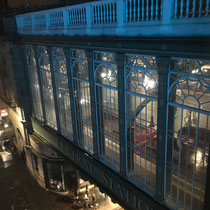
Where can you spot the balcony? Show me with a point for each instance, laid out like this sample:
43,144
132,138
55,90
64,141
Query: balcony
171,18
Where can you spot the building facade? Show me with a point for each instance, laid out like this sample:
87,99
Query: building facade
121,89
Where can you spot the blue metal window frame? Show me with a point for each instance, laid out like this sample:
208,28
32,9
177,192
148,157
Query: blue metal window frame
35,98
136,68
174,106
62,110
47,70
78,56
110,67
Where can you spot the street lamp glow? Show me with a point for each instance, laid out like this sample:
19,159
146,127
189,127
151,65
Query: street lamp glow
148,83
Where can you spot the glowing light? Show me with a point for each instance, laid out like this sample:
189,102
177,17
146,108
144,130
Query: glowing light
20,114
106,75
195,71
83,101
6,125
103,75
149,83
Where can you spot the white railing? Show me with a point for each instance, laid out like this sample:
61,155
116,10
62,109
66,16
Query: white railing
121,18
143,10
104,12
76,15
191,8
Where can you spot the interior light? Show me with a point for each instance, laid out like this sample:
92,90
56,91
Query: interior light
6,125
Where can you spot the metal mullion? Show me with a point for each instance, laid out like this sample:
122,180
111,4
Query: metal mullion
207,187
122,125
80,109
35,48
56,106
103,119
140,134
111,124
179,161
99,117
151,129
172,161
135,135
106,114
145,136
194,167
87,112
188,134
91,74
28,75
86,120
115,125
71,95
163,70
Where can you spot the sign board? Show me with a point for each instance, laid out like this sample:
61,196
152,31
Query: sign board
3,112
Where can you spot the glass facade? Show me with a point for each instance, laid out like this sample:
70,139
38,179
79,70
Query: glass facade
141,119
47,87
34,83
79,68
105,70
188,132
186,124
62,91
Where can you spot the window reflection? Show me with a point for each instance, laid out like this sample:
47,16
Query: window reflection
141,118
188,132
34,83
62,91
47,87
107,107
82,99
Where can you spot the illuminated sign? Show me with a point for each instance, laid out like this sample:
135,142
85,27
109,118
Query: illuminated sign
3,112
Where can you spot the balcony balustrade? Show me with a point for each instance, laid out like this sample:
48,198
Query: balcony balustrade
121,18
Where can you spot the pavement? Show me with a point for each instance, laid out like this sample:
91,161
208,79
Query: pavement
20,191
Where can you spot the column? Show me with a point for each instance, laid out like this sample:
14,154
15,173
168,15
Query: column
71,89
89,55
122,113
49,50
163,66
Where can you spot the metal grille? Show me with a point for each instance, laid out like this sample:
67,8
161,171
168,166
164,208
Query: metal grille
107,107
188,132
34,83
141,119
62,91
82,99
47,87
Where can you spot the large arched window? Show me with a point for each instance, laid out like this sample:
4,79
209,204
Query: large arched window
81,91
47,87
188,132
62,91
141,119
105,71
34,83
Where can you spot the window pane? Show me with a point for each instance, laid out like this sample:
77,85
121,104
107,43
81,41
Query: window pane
107,107
62,91
141,118
47,87
188,133
82,99
34,83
